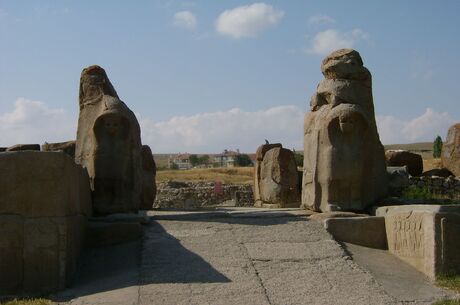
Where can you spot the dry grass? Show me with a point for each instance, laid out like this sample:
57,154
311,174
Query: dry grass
28,302
234,175
432,163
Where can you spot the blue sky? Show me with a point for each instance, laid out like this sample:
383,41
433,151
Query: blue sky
203,76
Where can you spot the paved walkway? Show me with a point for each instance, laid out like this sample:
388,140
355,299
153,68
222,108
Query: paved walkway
241,256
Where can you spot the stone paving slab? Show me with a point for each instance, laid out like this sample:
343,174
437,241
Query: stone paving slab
188,258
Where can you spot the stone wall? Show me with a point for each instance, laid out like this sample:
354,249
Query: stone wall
445,187
424,236
193,195
45,201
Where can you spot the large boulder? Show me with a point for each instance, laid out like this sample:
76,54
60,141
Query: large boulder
276,178
108,145
414,162
344,160
67,147
24,147
450,155
149,170
438,172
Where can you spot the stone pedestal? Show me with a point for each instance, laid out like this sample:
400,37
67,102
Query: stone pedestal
425,236
44,203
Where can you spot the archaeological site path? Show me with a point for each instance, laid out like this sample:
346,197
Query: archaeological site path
242,256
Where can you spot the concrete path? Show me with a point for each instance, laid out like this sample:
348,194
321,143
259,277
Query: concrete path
230,256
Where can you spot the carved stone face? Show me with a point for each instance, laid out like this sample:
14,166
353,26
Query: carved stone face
112,124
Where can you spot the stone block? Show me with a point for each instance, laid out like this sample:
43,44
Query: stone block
44,204
11,264
43,184
364,231
67,147
110,233
425,236
24,147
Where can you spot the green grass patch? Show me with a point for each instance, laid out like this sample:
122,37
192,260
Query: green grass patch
451,282
27,302
419,193
447,302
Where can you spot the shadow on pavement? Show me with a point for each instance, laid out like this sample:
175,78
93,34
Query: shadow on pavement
158,258
165,260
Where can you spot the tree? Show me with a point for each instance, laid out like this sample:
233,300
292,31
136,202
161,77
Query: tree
194,160
204,159
437,147
243,160
298,159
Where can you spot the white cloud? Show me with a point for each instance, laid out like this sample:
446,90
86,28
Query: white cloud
232,129
34,122
321,20
247,20
330,40
423,128
185,20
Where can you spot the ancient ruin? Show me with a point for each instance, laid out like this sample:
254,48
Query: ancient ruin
344,161
425,236
414,162
108,145
275,177
67,147
149,170
44,204
450,155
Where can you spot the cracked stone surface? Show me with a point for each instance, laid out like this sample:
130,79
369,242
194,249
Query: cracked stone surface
228,258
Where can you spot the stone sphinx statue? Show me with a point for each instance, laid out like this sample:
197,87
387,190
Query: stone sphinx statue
275,177
108,145
344,160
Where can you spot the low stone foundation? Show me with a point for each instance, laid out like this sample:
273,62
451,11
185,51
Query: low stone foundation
194,195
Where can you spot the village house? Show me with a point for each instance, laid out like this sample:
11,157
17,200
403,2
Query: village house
179,161
226,159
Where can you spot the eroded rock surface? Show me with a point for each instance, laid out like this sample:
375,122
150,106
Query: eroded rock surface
149,171
276,178
414,162
450,155
108,145
344,161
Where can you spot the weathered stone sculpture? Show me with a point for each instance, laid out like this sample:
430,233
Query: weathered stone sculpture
344,161
276,179
108,145
450,155
149,188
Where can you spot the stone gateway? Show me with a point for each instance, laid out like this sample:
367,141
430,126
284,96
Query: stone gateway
108,145
344,160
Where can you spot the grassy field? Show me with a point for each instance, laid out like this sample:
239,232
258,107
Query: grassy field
235,175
